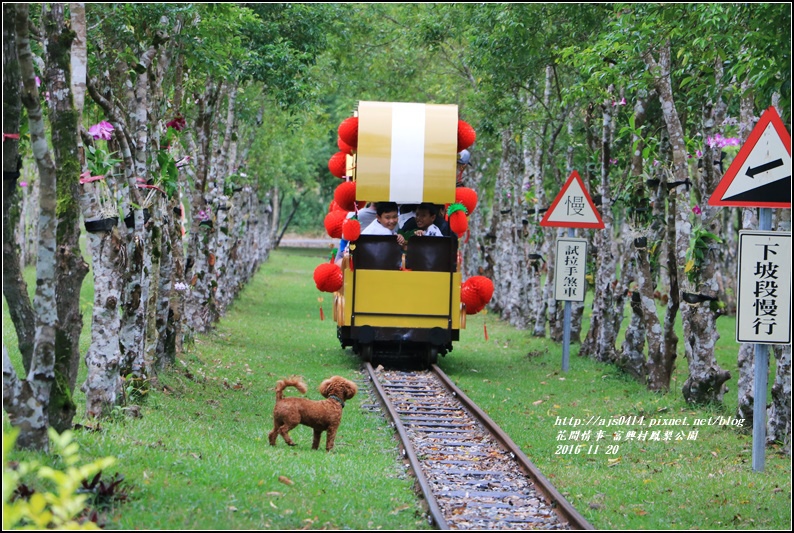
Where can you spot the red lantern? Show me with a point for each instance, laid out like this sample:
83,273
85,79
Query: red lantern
351,229
466,135
328,277
471,299
338,164
348,132
343,146
333,223
459,223
345,195
483,286
467,197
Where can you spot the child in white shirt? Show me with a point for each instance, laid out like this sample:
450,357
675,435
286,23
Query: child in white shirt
425,218
386,222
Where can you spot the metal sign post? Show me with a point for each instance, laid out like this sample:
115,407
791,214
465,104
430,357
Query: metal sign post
760,379
572,208
763,311
760,176
570,284
566,327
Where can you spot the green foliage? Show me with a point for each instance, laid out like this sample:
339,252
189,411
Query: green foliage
700,243
100,161
59,508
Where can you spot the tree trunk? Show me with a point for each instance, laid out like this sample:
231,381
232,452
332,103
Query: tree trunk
170,338
779,425
601,337
71,268
631,358
15,289
28,410
510,297
475,262
748,220
706,379
199,302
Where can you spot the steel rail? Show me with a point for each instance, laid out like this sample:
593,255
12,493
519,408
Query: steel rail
436,516
557,501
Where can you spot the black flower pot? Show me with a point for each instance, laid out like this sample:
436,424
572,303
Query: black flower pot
101,225
129,220
205,224
641,243
535,257
692,298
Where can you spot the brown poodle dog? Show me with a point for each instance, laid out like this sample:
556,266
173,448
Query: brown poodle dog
320,415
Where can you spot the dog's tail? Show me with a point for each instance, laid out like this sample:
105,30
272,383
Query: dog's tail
293,381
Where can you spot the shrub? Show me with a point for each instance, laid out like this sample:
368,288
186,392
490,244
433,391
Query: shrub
59,508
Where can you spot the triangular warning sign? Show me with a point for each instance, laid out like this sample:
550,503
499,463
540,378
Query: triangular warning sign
573,207
760,174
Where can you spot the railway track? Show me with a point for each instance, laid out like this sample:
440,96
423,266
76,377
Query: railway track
470,472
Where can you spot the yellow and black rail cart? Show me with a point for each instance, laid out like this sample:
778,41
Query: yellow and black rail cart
395,301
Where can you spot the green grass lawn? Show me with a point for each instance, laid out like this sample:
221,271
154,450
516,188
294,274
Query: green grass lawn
199,457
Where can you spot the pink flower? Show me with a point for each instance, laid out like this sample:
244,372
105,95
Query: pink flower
613,161
102,131
38,81
697,210
23,183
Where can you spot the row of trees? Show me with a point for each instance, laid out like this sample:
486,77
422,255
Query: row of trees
175,221
226,113
650,105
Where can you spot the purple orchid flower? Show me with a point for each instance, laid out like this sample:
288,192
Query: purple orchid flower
102,131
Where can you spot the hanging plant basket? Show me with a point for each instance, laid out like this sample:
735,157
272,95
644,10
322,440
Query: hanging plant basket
129,220
692,298
101,225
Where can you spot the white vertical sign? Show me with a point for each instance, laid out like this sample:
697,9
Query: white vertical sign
763,312
569,270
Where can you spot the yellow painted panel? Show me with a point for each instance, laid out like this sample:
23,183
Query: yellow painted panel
401,292
401,322
389,291
376,140
441,146
456,281
373,154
